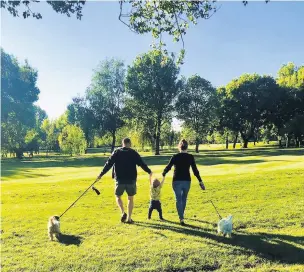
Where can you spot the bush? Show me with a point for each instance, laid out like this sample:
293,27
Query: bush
72,140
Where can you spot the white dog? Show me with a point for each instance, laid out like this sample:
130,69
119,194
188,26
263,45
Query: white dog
54,227
225,226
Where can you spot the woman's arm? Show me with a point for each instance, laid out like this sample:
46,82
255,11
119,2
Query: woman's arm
169,166
196,173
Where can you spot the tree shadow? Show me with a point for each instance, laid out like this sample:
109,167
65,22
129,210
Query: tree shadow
273,247
70,239
10,167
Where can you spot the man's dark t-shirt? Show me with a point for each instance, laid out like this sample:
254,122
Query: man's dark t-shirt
124,161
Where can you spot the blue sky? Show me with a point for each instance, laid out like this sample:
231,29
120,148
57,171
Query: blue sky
257,38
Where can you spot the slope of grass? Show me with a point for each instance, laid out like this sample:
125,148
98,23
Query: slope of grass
262,188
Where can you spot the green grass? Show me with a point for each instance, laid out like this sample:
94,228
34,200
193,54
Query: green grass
263,188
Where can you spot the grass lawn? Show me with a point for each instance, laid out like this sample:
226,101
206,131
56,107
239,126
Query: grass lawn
263,188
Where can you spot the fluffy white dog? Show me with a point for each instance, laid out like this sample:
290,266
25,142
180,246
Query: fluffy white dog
54,227
225,226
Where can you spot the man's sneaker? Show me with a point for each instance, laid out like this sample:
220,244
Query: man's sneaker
162,219
123,217
130,221
182,223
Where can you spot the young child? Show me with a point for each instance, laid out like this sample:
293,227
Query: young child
155,188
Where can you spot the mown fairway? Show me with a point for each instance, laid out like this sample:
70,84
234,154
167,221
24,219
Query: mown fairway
262,188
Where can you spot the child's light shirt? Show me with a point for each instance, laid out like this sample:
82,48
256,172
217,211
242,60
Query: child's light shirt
155,192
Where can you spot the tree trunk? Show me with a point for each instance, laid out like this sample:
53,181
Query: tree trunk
287,141
227,142
113,141
157,139
196,147
157,143
235,141
245,144
19,153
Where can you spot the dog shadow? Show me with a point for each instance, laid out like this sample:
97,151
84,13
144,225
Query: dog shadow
273,247
70,239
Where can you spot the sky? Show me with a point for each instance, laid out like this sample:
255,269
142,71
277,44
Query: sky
258,38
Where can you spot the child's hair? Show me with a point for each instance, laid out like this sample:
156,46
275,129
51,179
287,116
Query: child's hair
183,144
155,183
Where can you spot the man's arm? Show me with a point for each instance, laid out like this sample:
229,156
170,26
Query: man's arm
142,164
108,165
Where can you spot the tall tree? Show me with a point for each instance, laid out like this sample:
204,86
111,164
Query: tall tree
81,115
249,101
196,105
106,97
153,83
291,111
18,94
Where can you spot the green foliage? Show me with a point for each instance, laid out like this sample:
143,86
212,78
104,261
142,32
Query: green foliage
248,103
196,105
105,97
64,7
32,140
18,94
291,76
81,115
72,140
153,85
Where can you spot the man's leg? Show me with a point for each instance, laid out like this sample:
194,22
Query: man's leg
130,207
120,204
119,190
131,191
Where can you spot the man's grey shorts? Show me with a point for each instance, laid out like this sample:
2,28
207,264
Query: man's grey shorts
122,186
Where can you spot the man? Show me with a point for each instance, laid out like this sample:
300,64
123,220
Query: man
125,160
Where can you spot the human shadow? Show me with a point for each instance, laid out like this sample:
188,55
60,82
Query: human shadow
273,247
67,239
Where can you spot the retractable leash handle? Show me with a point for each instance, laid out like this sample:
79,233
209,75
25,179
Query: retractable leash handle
82,196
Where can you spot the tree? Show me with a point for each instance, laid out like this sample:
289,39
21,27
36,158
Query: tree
249,102
18,94
152,83
142,121
72,140
81,115
196,106
171,18
105,97
291,111
227,123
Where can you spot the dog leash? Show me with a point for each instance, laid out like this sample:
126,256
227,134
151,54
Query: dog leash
214,208
96,191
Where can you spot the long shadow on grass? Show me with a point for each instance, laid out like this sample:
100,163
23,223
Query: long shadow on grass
70,239
210,157
273,247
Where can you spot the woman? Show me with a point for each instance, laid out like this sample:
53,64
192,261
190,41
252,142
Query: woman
181,177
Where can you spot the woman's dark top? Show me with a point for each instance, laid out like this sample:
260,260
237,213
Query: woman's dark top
182,163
